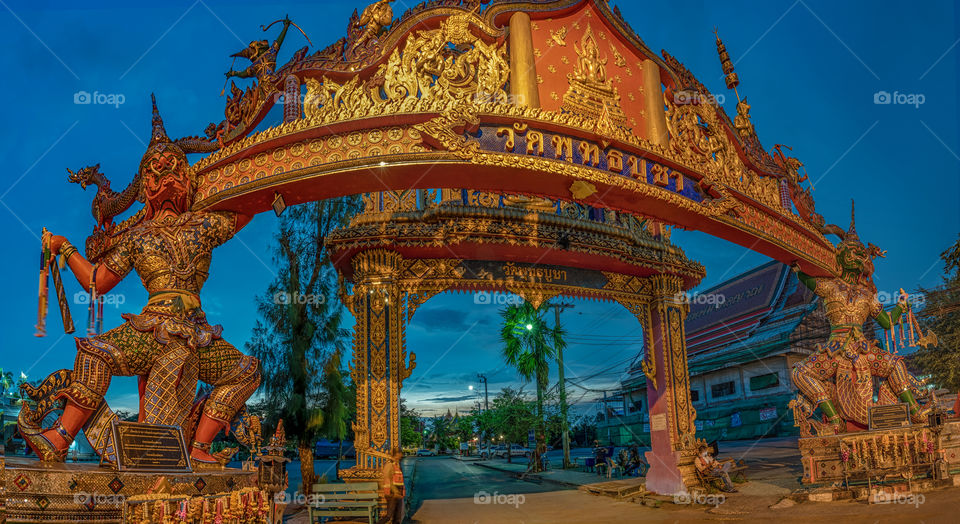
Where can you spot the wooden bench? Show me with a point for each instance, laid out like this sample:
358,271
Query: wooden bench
356,499
737,470
711,484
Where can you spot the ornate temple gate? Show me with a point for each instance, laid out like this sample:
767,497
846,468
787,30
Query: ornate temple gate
575,168
560,101
390,255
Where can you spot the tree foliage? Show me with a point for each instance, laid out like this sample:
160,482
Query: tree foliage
299,337
409,426
941,313
440,432
513,416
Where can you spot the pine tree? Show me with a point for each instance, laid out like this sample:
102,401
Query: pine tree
941,313
299,338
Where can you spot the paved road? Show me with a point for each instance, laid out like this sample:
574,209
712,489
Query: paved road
321,467
438,478
446,491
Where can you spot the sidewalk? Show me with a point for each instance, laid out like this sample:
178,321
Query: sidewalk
568,477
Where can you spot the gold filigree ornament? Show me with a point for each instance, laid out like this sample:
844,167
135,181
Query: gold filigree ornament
435,68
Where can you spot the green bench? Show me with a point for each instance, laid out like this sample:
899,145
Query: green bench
356,499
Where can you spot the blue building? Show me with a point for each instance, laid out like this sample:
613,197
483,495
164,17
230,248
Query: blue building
743,337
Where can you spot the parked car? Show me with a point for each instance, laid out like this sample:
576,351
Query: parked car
516,450
424,452
329,449
497,451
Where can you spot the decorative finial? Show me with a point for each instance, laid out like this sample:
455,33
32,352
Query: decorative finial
731,79
159,134
853,219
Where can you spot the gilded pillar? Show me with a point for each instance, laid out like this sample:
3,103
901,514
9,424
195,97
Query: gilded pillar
672,416
653,104
523,69
379,365
292,105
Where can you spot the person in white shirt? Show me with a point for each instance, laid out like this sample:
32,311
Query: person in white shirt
710,468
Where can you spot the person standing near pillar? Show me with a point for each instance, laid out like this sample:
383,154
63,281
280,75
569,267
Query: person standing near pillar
394,490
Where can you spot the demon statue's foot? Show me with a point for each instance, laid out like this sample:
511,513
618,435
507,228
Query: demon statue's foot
201,453
50,445
918,413
838,425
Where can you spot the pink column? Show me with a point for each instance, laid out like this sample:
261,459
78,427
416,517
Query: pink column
668,389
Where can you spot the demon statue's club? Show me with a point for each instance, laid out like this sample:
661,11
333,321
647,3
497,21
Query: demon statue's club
839,377
169,345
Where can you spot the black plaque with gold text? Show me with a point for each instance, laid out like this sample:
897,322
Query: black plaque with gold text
890,416
151,447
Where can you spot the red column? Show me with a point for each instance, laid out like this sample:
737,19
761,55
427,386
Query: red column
668,389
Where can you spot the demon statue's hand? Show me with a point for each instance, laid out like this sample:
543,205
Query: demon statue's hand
56,242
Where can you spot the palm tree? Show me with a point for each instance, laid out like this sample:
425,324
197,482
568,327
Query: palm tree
528,345
6,381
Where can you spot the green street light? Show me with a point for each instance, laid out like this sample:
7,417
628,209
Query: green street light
529,327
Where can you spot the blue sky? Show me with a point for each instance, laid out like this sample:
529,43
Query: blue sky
810,69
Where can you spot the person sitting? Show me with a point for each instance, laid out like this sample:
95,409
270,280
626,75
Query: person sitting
600,456
633,461
709,468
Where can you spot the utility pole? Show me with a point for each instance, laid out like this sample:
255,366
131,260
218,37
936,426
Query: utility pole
606,415
486,395
565,432
486,398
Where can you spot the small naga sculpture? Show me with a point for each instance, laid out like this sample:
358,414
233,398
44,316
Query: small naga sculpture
169,345
742,121
107,203
839,377
375,17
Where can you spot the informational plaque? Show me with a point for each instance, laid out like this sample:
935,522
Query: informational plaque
151,447
889,416
658,422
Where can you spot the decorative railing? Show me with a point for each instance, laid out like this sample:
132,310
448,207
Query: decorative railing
375,205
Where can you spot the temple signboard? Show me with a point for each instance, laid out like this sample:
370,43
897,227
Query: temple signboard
150,447
890,416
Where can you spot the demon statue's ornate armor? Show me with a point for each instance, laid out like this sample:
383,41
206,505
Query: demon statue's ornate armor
169,345
839,377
